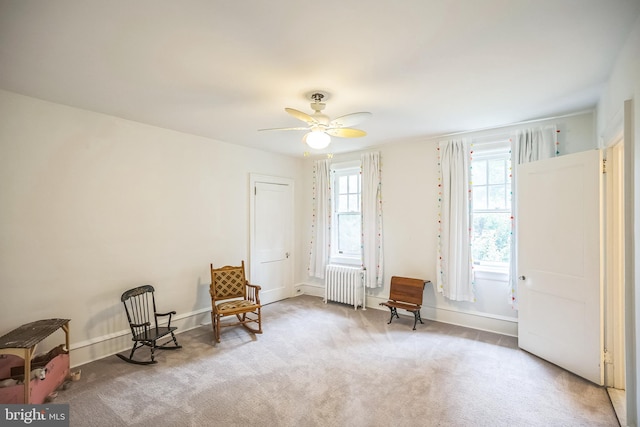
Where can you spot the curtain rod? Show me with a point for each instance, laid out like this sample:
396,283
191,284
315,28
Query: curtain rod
509,125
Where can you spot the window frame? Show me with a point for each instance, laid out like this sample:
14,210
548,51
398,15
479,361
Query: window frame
500,149
339,170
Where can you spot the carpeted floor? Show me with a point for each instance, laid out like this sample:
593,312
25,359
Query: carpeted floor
328,365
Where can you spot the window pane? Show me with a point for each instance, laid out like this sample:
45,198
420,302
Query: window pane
496,171
479,197
491,237
349,233
342,205
479,172
497,197
353,203
353,183
342,184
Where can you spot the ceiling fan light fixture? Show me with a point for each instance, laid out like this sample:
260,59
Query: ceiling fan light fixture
319,127
318,139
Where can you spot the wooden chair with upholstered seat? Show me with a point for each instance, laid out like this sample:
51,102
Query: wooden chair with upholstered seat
233,295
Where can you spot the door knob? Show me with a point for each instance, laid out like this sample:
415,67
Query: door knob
522,278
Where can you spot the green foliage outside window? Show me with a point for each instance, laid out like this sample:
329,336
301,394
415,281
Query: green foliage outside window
491,237
492,224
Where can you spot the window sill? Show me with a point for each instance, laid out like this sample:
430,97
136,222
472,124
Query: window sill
497,274
352,262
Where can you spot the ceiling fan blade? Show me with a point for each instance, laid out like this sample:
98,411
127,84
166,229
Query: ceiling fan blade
346,132
301,116
349,119
298,128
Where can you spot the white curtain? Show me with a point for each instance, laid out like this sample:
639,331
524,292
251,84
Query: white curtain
535,144
529,145
321,221
372,252
454,277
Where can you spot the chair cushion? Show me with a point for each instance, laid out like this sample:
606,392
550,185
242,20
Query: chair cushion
236,306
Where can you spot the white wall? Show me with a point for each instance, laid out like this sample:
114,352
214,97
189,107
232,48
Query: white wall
624,84
409,193
92,205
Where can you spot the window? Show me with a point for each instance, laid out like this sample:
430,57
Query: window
492,224
346,225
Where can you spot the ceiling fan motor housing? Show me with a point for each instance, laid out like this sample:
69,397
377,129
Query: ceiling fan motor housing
317,105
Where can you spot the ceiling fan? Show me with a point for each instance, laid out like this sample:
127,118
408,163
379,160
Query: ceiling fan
320,128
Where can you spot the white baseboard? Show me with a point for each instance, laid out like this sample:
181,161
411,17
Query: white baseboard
116,342
107,345
474,320
309,289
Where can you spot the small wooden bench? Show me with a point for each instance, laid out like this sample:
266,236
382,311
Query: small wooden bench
406,294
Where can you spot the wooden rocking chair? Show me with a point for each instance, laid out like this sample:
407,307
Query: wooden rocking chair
232,294
140,306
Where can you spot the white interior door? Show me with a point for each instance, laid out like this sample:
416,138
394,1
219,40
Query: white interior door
560,315
271,237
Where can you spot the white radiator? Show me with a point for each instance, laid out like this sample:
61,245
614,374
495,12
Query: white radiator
344,284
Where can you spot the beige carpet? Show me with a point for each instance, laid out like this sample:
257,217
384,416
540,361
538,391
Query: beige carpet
329,365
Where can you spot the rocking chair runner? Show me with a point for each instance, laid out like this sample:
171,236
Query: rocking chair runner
232,294
140,306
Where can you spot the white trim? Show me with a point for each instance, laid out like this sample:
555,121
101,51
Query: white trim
345,261
614,131
526,122
474,320
311,289
267,179
115,342
630,276
127,332
614,268
109,344
339,170
475,313
352,164
491,149
495,323
482,272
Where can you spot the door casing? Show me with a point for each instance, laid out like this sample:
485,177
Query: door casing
288,211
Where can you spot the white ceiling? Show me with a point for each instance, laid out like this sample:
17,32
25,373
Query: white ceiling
225,68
